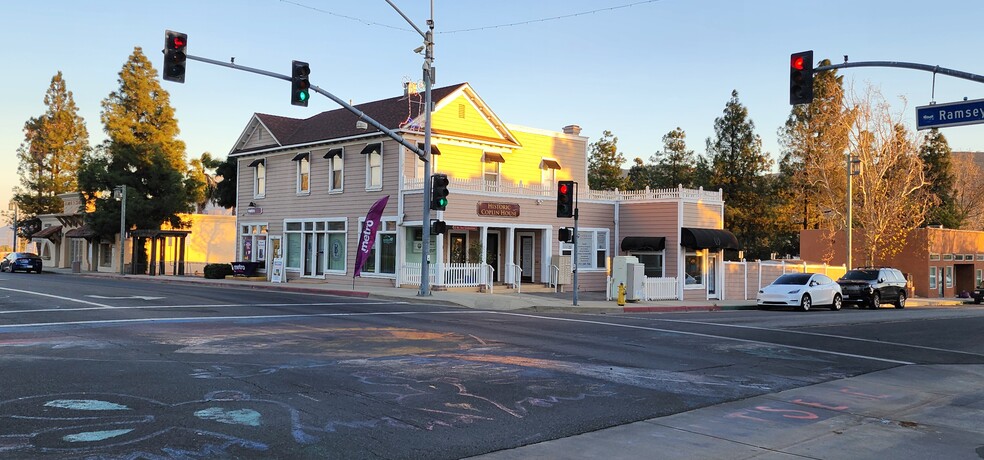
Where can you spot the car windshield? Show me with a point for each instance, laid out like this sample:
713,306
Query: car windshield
793,278
861,275
24,254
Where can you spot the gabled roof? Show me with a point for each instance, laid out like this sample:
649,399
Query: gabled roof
340,123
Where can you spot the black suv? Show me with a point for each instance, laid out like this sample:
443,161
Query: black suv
872,287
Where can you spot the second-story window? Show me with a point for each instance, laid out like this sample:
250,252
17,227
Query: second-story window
303,172
374,166
548,173
259,178
335,169
492,169
419,164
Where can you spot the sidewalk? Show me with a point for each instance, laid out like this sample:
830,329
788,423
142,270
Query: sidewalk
588,302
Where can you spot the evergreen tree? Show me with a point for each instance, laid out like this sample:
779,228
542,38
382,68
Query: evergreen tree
225,189
605,164
814,165
142,153
641,175
675,162
937,166
738,167
48,159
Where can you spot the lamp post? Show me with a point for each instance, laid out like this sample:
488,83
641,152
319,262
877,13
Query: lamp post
120,192
13,207
853,169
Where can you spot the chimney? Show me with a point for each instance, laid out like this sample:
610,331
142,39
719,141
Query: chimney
572,129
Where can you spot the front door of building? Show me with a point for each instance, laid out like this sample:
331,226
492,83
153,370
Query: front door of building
712,276
526,251
492,254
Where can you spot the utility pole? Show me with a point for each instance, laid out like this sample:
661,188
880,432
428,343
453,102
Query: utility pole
428,69
121,192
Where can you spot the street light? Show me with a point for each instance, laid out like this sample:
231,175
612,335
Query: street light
853,169
13,207
120,193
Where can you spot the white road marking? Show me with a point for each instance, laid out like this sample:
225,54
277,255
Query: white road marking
697,334
159,307
69,299
817,334
125,297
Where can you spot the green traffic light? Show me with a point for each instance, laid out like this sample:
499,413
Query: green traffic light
302,95
443,202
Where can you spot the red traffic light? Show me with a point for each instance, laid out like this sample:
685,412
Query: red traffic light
797,62
563,189
178,42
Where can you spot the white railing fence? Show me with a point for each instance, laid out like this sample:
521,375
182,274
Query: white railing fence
455,275
517,277
660,288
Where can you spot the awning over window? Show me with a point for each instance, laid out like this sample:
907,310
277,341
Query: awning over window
51,233
256,163
82,232
494,157
378,148
434,149
301,156
643,243
550,164
334,153
707,238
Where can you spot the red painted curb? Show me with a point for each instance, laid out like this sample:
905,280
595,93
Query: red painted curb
670,309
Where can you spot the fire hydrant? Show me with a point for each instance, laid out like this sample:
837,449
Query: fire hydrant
621,294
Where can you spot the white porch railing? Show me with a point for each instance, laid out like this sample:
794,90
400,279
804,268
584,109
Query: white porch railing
517,277
520,189
455,275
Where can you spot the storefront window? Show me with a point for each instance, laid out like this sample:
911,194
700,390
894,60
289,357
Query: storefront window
252,243
382,256
653,262
693,268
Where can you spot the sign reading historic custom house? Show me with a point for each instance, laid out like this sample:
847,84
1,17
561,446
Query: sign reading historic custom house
498,209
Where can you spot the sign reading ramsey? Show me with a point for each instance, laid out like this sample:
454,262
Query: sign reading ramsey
950,114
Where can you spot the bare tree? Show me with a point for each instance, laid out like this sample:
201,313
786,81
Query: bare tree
891,196
968,191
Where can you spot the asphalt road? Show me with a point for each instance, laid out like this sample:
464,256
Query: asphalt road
104,368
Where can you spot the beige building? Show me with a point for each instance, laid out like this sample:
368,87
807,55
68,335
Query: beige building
305,185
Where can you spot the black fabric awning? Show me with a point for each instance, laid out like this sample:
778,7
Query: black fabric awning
301,156
334,153
256,163
643,243
378,148
707,238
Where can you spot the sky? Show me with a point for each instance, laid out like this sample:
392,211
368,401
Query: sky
636,68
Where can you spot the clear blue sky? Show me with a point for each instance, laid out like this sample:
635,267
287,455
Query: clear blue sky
638,71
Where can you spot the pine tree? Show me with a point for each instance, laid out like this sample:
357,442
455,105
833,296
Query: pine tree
225,190
814,165
142,153
675,162
738,167
937,166
48,159
605,164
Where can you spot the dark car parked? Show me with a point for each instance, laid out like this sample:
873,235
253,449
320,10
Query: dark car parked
25,261
871,287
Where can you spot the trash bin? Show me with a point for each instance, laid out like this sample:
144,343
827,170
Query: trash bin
76,267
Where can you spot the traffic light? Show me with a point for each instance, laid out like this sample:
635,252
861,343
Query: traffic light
299,83
801,78
565,198
439,192
438,227
565,235
175,55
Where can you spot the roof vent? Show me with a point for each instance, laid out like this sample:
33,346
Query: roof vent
572,129
361,125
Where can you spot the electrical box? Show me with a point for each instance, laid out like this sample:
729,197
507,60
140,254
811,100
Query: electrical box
566,275
635,284
619,273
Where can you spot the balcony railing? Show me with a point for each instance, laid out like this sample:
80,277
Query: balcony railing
537,190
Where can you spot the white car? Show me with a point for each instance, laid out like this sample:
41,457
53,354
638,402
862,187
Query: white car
802,290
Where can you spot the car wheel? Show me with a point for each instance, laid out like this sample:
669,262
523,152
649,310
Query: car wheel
875,301
838,303
901,302
806,303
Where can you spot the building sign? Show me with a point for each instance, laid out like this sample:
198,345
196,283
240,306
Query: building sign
498,209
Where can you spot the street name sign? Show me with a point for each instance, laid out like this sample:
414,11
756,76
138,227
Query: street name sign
950,114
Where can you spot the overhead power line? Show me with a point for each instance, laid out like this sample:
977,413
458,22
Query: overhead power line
472,29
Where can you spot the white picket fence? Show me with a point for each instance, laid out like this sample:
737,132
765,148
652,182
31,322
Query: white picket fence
660,288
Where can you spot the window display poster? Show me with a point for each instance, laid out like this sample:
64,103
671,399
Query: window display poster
278,271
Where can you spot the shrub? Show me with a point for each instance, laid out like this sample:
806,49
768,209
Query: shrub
217,271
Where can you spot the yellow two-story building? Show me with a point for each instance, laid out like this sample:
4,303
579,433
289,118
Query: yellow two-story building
305,185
